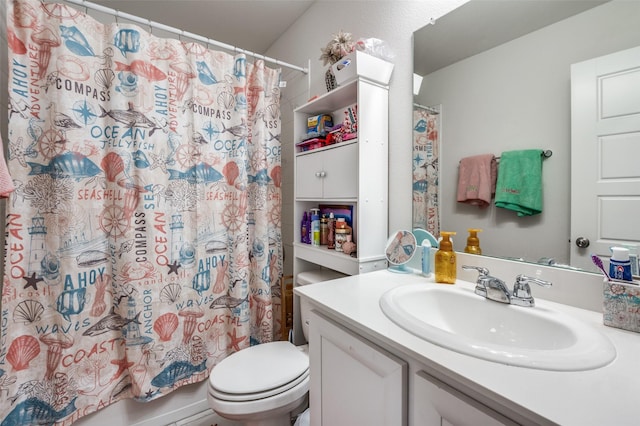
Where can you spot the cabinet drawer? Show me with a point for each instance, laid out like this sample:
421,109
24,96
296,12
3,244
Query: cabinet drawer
437,403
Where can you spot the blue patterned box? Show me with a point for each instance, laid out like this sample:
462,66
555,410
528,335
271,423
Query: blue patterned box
621,305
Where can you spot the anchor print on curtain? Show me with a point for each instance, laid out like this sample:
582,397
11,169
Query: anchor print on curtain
143,240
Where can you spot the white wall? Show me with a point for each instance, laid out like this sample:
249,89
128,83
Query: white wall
517,96
391,21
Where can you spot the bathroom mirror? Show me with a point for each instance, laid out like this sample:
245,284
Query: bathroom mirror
499,72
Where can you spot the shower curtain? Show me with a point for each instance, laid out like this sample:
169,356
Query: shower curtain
426,152
143,241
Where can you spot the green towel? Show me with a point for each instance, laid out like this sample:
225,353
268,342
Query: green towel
519,185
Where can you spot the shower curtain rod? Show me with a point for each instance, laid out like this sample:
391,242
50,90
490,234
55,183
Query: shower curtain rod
432,110
181,33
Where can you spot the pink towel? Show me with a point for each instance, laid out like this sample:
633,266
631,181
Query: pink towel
477,180
6,183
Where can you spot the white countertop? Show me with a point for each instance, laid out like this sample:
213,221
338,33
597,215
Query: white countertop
605,396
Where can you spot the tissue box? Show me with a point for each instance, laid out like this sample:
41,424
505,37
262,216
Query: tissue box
621,305
359,64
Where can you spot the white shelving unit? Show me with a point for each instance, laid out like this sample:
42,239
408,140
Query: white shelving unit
353,172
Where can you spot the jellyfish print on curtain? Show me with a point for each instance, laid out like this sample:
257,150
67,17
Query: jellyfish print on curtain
143,240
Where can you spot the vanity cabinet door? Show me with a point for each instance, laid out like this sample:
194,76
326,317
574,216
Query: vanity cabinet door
331,173
353,382
435,403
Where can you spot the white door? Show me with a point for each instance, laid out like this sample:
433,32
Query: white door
605,155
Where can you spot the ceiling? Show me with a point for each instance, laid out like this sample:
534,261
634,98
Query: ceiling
480,25
252,25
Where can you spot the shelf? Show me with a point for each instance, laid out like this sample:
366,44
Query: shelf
328,147
331,101
352,172
336,260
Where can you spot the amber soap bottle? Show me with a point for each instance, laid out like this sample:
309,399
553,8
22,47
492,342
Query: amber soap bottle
445,260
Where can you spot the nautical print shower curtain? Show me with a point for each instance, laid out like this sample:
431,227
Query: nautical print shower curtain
143,240
426,152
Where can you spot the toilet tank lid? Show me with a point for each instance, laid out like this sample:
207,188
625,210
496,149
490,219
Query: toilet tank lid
259,368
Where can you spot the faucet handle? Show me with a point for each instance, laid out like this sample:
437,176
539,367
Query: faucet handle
481,270
521,294
481,282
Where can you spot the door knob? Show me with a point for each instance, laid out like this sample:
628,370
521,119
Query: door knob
582,242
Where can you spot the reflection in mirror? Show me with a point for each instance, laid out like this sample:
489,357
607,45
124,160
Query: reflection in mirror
512,92
426,144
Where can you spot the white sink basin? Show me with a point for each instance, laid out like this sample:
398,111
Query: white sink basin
458,319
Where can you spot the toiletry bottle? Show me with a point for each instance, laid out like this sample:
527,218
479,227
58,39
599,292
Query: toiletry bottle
304,231
426,257
315,227
445,261
473,243
331,236
619,264
324,230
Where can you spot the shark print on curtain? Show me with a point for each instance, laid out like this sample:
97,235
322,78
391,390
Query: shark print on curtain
143,241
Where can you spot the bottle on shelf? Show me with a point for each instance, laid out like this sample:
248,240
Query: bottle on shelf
304,231
331,225
315,227
324,230
342,232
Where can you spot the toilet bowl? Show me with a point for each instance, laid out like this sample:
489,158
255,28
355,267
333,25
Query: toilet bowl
263,384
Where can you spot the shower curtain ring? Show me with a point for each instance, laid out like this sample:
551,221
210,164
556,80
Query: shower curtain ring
150,26
117,15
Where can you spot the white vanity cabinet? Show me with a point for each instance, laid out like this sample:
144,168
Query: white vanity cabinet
356,382
350,173
353,382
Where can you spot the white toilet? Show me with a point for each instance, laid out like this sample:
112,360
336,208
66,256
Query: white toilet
263,384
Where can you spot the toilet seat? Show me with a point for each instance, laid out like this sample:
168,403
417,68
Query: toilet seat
258,395
259,372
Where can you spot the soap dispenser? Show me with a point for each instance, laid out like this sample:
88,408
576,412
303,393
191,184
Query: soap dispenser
473,243
445,260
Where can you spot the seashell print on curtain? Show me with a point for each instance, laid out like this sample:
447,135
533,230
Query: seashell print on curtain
143,240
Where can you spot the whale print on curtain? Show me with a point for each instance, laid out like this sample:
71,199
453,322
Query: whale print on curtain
426,151
143,241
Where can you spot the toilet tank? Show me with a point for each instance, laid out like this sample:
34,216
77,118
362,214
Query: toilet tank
311,277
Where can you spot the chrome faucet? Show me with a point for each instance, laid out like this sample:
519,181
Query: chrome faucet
495,289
